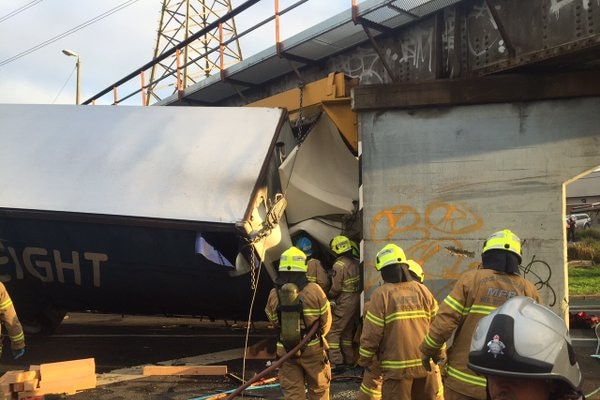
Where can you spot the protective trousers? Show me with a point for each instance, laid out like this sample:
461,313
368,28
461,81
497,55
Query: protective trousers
314,369
427,388
370,387
345,321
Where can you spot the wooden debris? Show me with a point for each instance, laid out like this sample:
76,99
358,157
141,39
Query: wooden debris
65,377
185,370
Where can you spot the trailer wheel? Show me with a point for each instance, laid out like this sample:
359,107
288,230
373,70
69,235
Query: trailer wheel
46,322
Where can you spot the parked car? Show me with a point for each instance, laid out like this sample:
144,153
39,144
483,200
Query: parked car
581,220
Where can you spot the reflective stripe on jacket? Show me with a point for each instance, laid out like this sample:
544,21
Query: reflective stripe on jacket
315,306
396,320
476,294
345,277
9,318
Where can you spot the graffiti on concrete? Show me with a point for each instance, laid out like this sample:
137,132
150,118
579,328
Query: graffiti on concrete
449,222
438,246
539,273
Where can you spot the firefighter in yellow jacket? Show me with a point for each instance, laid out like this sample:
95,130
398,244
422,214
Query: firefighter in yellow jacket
476,294
9,318
315,272
370,387
294,305
345,298
397,317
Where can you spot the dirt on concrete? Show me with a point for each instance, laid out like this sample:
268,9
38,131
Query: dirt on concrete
343,387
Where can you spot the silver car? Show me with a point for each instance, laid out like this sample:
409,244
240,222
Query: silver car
581,221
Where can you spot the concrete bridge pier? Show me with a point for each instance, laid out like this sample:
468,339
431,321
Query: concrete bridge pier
447,163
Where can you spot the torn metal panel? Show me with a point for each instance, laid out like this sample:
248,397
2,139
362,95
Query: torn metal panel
320,177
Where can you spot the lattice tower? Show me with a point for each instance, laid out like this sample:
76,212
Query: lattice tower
201,58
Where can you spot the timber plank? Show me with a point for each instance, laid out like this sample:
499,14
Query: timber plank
185,370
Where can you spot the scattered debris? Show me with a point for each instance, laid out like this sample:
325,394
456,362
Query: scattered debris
65,377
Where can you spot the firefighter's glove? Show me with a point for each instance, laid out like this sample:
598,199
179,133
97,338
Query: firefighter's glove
18,353
436,358
426,360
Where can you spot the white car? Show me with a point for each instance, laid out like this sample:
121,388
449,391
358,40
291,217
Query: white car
581,221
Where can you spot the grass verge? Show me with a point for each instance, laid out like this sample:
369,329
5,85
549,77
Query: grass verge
584,281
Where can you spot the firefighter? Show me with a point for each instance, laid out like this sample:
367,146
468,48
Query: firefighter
316,271
477,293
370,387
520,365
294,305
9,318
397,317
345,300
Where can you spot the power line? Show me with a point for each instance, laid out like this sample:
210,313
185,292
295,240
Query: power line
19,10
69,32
65,84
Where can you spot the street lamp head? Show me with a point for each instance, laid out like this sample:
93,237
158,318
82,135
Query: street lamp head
70,53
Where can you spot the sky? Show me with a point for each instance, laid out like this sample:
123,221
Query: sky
123,37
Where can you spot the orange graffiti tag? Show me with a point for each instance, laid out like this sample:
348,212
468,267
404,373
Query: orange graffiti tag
451,219
394,221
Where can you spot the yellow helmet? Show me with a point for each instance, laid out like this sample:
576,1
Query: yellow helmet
340,244
293,260
390,254
503,240
416,268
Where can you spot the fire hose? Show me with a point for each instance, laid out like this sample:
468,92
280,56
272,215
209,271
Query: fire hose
311,333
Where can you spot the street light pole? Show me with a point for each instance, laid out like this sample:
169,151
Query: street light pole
78,66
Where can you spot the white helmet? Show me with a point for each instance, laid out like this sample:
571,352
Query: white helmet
523,339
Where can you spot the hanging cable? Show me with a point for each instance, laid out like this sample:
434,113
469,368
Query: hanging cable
589,396
300,136
67,33
255,289
65,84
19,10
